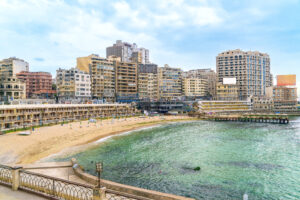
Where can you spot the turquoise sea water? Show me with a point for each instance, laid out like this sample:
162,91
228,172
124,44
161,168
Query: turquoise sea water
262,160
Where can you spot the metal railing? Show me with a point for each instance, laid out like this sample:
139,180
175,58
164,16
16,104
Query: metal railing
5,175
116,195
55,187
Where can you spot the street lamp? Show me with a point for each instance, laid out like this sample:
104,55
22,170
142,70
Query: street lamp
99,167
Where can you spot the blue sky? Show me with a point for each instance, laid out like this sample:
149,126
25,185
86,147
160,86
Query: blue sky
187,34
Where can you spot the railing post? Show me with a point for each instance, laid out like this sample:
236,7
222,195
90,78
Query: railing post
15,177
99,193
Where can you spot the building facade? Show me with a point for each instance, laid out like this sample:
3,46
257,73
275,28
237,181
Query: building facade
102,73
128,52
12,88
148,82
169,83
209,75
21,116
73,84
227,92
251,70
38,84
262,104
126,81
11,66
194,87
285,98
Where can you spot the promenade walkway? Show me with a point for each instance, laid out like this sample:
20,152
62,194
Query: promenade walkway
6,193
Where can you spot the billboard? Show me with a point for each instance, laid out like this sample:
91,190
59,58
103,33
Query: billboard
229,81
286,80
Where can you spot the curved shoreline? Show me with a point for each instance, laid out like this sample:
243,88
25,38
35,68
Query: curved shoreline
47,141
86,146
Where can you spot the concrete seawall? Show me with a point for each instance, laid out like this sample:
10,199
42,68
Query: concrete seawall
147,194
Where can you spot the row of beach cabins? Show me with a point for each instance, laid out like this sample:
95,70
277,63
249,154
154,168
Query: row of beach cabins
23,116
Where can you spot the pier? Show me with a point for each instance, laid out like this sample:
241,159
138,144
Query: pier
254,118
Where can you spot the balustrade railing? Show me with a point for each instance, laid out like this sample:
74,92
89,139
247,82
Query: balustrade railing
5,175
116,195
57,188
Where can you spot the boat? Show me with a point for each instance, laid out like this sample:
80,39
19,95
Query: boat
25,133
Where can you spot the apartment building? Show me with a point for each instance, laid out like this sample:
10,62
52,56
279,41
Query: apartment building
251,70
128,52
170,83
285,98
102,73
12,88
126,81
227,92
73,84
284,94
209,75
11,66
38,84
148,82
194,87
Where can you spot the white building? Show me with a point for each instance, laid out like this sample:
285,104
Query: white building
11,66
73,84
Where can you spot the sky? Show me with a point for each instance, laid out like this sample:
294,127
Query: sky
188,34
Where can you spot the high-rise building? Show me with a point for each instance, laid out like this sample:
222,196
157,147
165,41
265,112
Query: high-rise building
128,52
126,81
169,83
148,82
251,70
73,84
38,84
194,87
11,66
102,73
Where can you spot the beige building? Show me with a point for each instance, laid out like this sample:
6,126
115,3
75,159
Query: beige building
148,86
224,106
102,73
126,81
208,74
194,87
227,92
251,69
12,88
73,84
170,83
148,82
263,104
11,66
20,116
285,98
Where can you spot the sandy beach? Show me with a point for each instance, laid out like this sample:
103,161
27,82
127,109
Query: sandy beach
46,141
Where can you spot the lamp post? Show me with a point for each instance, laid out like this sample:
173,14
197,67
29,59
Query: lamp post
99,167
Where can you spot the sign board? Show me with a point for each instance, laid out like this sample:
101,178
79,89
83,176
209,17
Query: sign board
286,80
229,81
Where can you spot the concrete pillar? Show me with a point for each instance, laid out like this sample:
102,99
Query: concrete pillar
15,177
99,194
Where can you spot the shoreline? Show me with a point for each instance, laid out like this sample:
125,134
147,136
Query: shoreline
46,142
82,147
